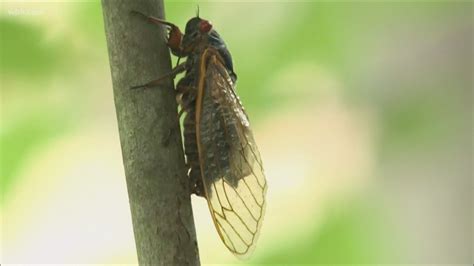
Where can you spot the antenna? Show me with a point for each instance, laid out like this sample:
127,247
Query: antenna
197,11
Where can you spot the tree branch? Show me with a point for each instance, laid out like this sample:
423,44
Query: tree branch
150,136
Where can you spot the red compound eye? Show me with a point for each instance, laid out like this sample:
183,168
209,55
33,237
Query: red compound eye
205,26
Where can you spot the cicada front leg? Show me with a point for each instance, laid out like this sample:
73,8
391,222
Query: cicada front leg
174,33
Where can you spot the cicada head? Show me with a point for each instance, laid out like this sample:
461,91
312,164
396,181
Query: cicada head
197,30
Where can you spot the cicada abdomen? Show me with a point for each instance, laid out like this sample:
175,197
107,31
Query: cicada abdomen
223,159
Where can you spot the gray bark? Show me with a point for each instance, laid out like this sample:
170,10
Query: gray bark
150,136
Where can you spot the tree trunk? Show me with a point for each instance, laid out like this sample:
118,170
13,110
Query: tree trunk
150,137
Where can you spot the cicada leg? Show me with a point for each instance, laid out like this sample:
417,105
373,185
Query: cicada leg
197,186
172,74
185,96
174,37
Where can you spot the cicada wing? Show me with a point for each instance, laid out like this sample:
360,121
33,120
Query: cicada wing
231,166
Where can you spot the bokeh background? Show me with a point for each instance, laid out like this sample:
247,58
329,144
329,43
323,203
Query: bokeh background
362,112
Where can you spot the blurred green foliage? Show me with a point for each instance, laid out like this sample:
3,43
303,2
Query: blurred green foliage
88,18
29,64
353,234
26,135
24,52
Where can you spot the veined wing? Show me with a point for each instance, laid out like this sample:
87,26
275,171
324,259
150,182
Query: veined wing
231,166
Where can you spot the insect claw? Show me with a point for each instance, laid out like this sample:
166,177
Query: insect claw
152,19
166,138
138,13
139,87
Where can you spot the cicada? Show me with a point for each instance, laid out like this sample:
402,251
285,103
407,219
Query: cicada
224,163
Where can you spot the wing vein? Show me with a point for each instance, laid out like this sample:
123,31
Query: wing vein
235,230
251,168
225,232
240,197
243,179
